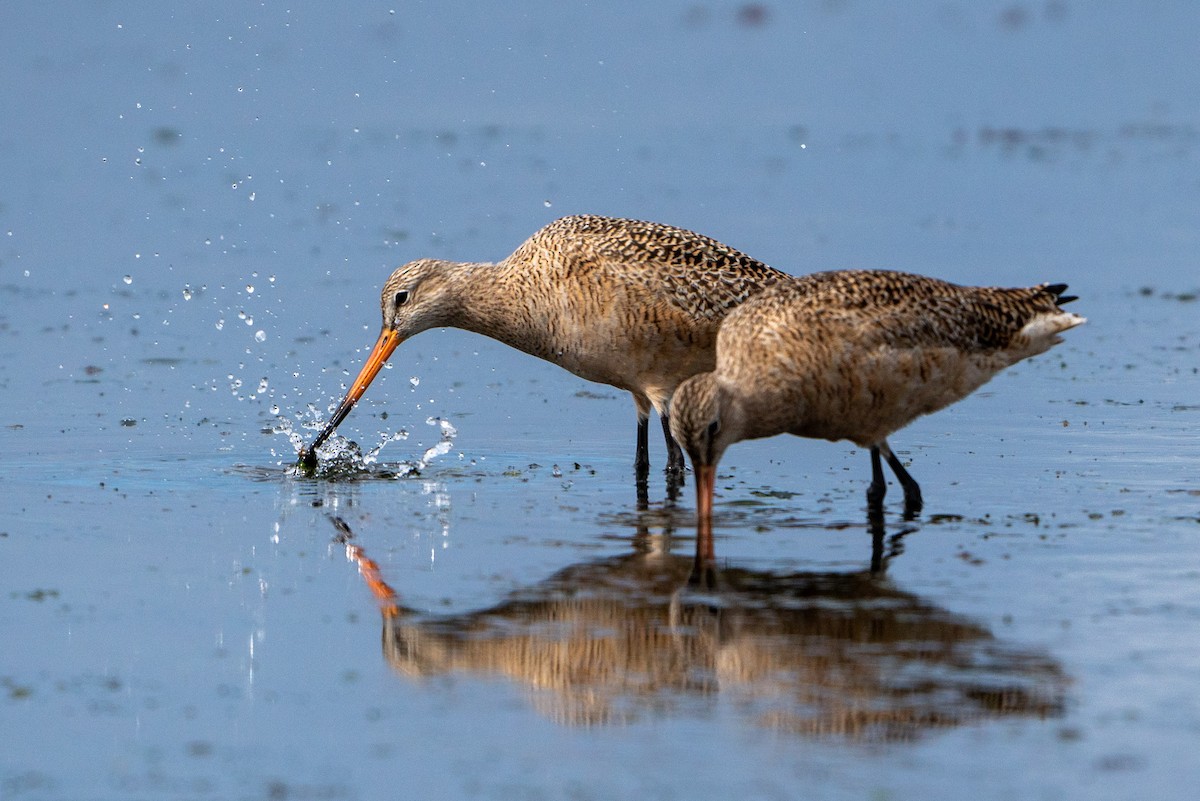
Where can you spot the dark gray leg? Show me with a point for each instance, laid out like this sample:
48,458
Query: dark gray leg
674,452
912,490
878,487
641,459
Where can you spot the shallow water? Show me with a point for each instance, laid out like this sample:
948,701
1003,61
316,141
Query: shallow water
195,216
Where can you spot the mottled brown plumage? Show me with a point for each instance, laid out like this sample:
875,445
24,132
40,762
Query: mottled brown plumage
623,302
856,355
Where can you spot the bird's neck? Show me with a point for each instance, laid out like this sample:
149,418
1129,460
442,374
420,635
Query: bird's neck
491,301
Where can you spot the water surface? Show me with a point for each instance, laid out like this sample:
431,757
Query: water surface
197,209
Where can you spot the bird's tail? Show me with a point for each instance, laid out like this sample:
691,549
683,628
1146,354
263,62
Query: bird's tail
1043,329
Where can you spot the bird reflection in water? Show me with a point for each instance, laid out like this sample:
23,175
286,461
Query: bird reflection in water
820,654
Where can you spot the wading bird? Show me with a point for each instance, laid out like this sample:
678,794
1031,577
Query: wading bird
855,355
623,302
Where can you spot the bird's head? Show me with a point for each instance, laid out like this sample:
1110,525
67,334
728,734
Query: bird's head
416,297
702,422
696,419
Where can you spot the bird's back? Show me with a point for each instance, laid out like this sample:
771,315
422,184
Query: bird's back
695,274
885,308
630,303
857,354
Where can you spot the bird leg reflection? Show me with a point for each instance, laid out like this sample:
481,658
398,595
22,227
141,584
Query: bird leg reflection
675,482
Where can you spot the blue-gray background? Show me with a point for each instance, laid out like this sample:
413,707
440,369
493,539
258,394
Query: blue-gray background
197,206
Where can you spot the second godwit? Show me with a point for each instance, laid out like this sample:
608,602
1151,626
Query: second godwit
623,302
855,355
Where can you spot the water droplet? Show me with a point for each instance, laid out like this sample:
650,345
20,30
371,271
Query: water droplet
128,279
249,289
249,320
415,381
262,386
187,293
275,409
220,323
260,336
546,203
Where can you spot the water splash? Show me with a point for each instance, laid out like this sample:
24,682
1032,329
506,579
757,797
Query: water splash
448,433
342,458
372,456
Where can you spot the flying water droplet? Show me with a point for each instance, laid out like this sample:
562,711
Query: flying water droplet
260,336
128,279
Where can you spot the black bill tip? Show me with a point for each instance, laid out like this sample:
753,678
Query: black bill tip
307,463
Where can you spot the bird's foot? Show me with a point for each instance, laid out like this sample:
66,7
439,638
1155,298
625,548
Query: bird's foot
912,504
875,495
641,469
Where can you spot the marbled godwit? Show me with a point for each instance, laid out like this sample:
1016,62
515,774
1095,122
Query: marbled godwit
855,355
633,304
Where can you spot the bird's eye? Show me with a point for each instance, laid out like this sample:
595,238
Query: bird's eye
713,428
401,297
